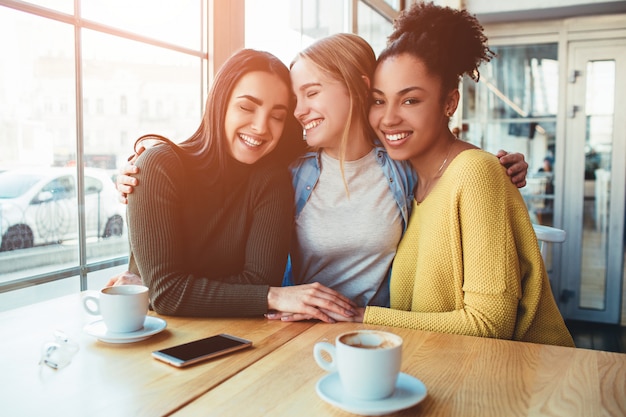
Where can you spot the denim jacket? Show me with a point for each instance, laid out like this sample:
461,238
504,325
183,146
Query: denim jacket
401,177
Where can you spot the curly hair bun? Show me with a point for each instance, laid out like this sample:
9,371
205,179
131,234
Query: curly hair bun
450,42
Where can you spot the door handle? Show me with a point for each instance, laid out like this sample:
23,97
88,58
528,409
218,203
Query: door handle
573,75
571,112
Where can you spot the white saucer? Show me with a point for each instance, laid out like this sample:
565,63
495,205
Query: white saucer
409,391
151,326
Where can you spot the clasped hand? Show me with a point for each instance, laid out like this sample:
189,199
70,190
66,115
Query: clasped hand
311,301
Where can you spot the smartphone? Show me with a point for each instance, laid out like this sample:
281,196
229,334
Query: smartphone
201,350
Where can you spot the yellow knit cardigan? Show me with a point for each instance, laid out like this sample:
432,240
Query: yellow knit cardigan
469,262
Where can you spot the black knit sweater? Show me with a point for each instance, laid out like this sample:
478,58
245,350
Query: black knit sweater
209,250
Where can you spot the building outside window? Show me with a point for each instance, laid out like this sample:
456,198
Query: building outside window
118,66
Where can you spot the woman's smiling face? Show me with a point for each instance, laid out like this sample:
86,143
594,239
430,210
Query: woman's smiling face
255,117
407,109
323,105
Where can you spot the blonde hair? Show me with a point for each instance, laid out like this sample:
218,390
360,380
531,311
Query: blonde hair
347,58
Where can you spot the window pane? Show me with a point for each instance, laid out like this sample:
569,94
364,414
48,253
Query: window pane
295,25
283,37
600,113
514,105
137,89
394,3
324,17
37,98
176,22
37,121
373,27
522,81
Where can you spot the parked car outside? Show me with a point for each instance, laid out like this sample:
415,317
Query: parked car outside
39,206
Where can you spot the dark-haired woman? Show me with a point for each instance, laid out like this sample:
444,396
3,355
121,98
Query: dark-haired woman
469,262
210,231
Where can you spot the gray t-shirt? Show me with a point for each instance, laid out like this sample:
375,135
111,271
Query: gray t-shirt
348,242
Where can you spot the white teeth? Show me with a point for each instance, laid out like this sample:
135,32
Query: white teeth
397,136
312,124
250,141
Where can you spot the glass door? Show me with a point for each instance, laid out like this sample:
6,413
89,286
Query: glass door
594,183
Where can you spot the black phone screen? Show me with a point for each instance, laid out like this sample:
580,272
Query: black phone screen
201,350
202,347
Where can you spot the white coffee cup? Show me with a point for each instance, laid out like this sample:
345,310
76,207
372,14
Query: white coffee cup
123,308
368,362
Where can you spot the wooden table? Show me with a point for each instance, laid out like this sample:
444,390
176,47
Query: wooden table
465,376
116,380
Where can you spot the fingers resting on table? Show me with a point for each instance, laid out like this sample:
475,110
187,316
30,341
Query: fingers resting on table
278,315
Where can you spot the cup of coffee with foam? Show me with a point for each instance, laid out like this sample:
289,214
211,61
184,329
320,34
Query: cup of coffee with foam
368,362
123,308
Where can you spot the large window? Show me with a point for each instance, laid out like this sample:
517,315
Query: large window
295,24
77,88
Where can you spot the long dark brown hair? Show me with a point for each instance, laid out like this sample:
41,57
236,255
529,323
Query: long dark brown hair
206,149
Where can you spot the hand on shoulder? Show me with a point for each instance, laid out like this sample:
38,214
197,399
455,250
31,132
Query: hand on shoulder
124,182
516,167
